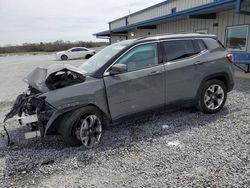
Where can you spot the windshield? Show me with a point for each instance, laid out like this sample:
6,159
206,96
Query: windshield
102,57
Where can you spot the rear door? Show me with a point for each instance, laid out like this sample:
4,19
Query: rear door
82,52
78,52
182,59
139,89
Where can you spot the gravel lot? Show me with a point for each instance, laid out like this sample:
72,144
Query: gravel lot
181,148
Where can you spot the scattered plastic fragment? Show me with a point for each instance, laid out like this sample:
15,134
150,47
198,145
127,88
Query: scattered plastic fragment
174,143
165,126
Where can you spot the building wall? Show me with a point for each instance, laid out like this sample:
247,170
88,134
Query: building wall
224,19
118,23
166,9
160,10
115,39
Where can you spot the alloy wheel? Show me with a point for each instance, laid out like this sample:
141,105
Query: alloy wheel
214,97
90,131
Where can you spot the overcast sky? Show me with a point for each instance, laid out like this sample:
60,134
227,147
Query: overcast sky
50,20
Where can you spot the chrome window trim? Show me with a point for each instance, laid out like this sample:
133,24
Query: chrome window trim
193,56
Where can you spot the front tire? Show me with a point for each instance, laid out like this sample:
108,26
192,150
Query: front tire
64,58
82,127
212,97
88,56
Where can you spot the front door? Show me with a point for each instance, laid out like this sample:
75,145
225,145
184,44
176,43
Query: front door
139,89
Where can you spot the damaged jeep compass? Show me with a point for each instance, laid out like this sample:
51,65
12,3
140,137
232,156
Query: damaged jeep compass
125,79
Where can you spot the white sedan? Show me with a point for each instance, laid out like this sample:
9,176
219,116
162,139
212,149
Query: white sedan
75,53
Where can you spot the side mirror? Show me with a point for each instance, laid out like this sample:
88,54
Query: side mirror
118,69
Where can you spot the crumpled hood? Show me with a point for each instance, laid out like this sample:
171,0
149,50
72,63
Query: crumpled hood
56,76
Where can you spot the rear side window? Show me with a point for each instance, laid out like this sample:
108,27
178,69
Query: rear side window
78,49
179,49
82,49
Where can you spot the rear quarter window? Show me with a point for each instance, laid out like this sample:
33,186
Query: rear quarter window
213,43
199,45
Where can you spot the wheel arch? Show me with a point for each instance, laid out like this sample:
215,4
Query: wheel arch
223,76
56,117
87,56
64,55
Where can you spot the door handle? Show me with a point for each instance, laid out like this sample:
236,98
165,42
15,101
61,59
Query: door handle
199,62
154,73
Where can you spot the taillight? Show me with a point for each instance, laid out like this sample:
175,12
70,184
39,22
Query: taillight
230,58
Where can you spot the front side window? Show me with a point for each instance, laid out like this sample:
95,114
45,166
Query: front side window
75,50
140,57
236,38
179,49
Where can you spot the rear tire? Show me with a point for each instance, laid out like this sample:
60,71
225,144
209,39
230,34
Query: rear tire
64,58
72,128
212,97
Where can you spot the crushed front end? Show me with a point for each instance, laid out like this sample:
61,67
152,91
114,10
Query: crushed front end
31,110
31,107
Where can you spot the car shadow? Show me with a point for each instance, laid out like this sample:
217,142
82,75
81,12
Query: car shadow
29,156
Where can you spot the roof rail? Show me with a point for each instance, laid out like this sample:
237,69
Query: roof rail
162,34
201,33
155,35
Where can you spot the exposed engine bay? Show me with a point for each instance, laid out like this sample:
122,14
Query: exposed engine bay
54,77
31,107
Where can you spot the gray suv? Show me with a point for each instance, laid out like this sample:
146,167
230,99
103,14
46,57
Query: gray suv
125,79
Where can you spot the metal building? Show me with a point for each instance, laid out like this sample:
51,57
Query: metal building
228,19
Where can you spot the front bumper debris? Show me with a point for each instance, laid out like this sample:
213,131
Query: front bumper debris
32,111
4,134
17,107
24,120
32,134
